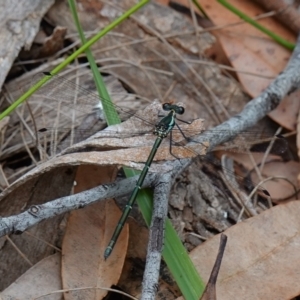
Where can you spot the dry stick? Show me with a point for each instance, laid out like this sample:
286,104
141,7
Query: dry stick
19,173
210,292
20,115
30,154
196,27
18,250
43,241
169,91
34,127
156,232
37,213
4,178
229,180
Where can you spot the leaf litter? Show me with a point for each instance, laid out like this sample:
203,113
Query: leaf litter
225,254
137,152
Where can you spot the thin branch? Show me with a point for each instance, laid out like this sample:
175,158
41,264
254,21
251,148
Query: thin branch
37,213
156,238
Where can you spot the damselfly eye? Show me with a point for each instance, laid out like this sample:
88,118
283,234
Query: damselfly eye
180,110
166,106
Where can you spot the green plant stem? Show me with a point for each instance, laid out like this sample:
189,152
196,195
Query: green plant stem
200,8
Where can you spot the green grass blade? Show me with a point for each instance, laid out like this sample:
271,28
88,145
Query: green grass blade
263,29
181,266
111,114
200,8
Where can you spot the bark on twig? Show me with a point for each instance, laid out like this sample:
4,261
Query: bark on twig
157,228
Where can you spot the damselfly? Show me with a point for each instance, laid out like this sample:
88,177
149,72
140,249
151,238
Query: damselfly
162,129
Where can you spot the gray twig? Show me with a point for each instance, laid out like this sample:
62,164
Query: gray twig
37,213
157,228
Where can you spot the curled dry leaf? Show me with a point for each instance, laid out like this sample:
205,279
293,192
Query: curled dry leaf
274,167
133,153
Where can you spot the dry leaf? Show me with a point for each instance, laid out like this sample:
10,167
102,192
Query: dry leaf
260,260
16,199
248,48
87,235
42,279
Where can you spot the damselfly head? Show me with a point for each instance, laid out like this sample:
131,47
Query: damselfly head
169,106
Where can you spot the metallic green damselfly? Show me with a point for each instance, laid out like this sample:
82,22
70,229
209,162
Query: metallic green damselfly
161,130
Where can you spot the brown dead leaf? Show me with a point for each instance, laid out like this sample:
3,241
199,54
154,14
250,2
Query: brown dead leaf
87,235
287,111
261,257
280,188
42,279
